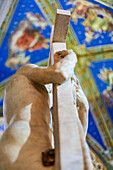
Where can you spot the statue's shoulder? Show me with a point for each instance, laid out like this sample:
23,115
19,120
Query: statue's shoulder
16,80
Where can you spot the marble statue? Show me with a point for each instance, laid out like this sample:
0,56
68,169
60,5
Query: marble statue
26,112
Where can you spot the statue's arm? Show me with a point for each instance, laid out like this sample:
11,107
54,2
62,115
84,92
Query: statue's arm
14,137
57,73
81,103
12,141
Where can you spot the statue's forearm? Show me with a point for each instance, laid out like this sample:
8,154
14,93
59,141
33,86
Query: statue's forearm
12,141
45,75
57,73
81,103
83,116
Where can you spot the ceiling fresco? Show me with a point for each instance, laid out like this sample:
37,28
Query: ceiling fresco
24,38
92,24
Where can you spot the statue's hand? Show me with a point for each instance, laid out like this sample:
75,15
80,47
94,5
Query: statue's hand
81,103
65,66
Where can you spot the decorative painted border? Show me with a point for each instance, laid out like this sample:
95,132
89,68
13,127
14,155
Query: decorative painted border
7,20
108,3
100,154
97,107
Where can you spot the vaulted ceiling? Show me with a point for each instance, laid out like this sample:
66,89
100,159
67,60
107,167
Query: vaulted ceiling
90,35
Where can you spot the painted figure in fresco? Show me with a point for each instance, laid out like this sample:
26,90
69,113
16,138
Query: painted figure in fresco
27,114
96,20
37,20
26,38
106,75
80,8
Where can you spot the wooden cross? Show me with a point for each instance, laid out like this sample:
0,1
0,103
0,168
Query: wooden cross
68,151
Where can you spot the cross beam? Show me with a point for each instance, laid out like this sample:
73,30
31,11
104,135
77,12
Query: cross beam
68,151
